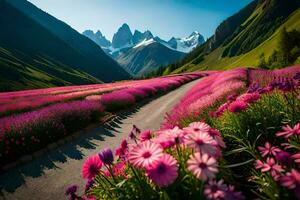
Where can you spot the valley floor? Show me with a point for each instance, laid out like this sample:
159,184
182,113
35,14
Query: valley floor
49,176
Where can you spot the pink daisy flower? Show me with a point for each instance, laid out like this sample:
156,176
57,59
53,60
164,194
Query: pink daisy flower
268,149
163,172
170,137
145,135
202,166
144,154
91,167
289,131
203,142
197,127
215,190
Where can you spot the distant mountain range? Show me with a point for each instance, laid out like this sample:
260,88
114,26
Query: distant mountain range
140,53
245,38
37,50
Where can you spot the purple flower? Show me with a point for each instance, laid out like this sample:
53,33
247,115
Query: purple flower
255,87
284,157
297,76
106,156
71,191
286,85
89,184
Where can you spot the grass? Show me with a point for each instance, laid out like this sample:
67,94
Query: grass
215,61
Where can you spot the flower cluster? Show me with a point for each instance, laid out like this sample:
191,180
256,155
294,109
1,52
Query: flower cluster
282,165
161,159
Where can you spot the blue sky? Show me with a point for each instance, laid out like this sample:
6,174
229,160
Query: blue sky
164,18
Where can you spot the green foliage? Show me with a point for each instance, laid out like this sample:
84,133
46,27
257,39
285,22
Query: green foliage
287,53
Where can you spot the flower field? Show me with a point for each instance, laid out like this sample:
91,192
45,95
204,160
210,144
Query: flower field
32,119
235,135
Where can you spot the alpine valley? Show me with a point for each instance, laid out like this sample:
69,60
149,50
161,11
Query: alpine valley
140,52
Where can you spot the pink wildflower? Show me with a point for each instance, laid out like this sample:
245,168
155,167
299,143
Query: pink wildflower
91,167
268,149
170,137
292,181
203,142
163,172
237,106
289,131
197,127
145,135
222,109
202,166
231,194
144,154
215,190
250,97
296,158
270,166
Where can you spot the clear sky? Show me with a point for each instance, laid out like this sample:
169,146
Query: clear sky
164,18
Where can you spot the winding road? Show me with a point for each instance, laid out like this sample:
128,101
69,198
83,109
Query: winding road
47,177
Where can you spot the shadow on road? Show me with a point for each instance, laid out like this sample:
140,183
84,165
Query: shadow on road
14,178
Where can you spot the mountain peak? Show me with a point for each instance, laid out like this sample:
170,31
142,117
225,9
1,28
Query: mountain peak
194,33
123,37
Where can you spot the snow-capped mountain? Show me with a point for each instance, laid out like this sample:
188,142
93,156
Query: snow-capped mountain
186,44
126,47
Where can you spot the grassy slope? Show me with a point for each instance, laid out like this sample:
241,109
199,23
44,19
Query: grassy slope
18,73
215,61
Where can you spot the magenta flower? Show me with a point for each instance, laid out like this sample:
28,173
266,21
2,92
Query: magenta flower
203,142
117,170
270,166
222,109
163,172
268,150
237,106
289,131
91,167
291,179
215,190
122,150
202,166
250,97
106,156
144,154
145,135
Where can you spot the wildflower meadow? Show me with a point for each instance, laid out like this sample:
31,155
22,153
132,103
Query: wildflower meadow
233,136
34,118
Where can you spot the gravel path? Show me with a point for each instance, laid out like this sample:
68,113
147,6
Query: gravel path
46,178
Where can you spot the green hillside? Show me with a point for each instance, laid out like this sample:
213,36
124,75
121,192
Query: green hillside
256,34
37,51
